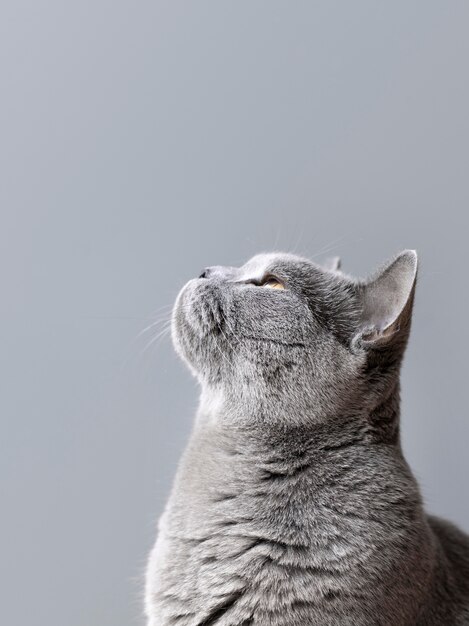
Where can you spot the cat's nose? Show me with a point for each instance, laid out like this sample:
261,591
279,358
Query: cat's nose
211,272
205,273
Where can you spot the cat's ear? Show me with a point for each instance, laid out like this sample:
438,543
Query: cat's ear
332,264
386,302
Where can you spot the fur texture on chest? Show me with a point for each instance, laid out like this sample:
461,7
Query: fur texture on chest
257,538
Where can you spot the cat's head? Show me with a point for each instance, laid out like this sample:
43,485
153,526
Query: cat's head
283,338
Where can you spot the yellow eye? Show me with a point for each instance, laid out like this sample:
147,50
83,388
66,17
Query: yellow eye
272,283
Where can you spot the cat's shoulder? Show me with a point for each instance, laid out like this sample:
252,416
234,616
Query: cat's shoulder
449,533
455,543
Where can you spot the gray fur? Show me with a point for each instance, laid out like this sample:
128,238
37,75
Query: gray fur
293,504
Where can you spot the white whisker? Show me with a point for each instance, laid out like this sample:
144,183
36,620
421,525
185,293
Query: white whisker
154,339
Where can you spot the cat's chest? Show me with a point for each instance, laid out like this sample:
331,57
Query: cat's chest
242,571
236,580
242,546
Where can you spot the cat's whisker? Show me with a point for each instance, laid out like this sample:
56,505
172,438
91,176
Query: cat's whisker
153,341
220,328
231,330
333,245
222,354
114,317
163,320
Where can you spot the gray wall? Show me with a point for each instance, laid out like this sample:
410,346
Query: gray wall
141,141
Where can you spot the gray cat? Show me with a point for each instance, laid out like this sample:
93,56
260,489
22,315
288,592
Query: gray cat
293,504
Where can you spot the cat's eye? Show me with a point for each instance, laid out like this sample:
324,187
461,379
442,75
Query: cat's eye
270,282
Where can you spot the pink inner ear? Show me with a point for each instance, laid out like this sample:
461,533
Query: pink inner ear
386,296
376,334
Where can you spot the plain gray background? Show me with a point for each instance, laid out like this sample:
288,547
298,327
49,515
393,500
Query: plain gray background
141,141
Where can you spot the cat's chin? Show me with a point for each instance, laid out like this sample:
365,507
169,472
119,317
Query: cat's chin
181,329
197,330
211,405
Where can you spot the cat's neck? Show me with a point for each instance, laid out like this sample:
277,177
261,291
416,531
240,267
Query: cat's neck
371,418
338,457
330,496
352,459
318,502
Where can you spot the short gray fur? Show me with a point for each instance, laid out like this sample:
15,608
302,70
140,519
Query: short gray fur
293,504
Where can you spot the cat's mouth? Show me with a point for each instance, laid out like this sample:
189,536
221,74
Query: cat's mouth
201,305
202,333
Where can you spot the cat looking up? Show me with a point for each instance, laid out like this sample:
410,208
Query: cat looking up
293,504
